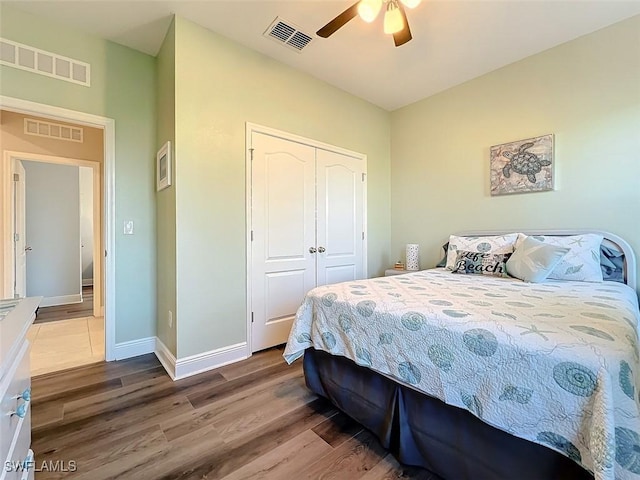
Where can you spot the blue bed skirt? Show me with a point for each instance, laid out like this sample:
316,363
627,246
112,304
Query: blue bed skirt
423,431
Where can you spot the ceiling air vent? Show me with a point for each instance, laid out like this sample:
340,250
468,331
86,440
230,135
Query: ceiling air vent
287,34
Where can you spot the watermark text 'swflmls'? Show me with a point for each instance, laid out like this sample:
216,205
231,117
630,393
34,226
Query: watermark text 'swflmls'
44,466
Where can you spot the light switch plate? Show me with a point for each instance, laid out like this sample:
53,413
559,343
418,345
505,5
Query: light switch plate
128,227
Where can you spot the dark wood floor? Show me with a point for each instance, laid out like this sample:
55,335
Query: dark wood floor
65,312
252,419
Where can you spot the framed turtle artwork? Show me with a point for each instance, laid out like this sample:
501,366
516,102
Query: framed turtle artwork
522,167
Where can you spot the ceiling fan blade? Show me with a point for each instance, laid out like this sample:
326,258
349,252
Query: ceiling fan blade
404,35
334,25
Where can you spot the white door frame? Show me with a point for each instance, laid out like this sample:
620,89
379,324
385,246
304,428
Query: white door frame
251,128
108,175
18,226
9,158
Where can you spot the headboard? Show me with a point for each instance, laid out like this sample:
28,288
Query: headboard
611,242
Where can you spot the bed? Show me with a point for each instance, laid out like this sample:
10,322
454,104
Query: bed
478,376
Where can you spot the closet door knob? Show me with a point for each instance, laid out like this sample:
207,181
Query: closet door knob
321,249
312,250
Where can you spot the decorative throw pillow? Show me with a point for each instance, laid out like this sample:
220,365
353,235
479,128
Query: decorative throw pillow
533,261
581,263
612,264
482,263
443,261
489,244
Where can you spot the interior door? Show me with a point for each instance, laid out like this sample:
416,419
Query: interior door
340,217
283,227
19,229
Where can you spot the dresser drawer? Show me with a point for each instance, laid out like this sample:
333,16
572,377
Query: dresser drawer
30,474
19,463
15,414
13,329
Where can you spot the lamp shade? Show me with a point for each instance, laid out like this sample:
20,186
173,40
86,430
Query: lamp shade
411,3
413,256
369,9
393,21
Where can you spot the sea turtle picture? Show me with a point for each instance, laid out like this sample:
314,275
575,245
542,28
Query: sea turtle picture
522,166
524,162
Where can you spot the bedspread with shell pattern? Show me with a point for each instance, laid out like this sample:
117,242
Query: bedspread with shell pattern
554,363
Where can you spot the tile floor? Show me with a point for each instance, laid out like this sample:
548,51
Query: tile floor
65,344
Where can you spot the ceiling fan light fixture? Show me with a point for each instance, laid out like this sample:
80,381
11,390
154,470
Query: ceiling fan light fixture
411,3
393,21
395,18
368,9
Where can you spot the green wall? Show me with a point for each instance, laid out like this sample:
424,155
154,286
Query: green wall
122,88
166,199
220,85
586,92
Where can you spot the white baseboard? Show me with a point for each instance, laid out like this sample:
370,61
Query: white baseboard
167,359
194,364
187,366
135,348
61,300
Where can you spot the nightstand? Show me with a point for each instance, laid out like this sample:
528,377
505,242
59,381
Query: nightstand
392,271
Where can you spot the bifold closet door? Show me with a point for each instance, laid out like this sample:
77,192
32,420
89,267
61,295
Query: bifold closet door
284,231
340,190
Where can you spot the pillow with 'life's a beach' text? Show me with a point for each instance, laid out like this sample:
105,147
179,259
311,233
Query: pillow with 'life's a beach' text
482,263
486,244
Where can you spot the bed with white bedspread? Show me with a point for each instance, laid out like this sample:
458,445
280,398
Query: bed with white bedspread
554,363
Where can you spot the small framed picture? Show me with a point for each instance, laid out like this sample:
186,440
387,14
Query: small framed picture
163,167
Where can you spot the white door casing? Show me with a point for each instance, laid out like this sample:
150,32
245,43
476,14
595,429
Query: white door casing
108,207
97,253
19,228
283,214
306,226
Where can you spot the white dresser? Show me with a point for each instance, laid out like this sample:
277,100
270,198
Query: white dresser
15,389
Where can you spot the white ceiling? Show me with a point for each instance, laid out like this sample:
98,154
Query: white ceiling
453,41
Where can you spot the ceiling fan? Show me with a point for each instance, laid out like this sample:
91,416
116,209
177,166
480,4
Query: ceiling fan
395,18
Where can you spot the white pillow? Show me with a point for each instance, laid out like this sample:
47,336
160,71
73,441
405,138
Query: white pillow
490,244
533,261
581,263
